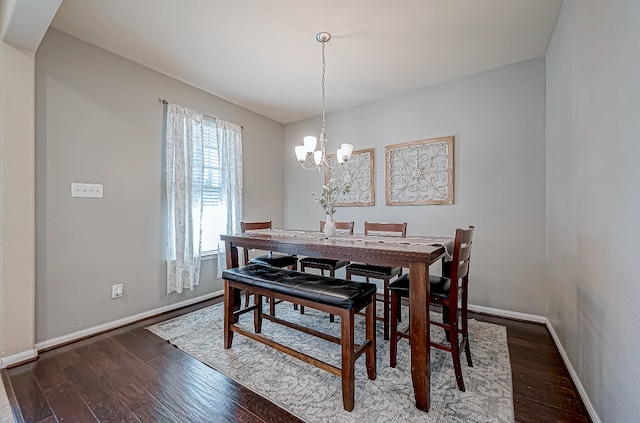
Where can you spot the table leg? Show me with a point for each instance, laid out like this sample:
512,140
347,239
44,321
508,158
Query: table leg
420,333
231,252
232,262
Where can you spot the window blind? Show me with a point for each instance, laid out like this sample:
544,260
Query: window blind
211,195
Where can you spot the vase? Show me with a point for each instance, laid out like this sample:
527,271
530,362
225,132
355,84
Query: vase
330,226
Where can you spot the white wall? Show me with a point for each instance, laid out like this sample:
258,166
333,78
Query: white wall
17,252
498,120
98,120
593,200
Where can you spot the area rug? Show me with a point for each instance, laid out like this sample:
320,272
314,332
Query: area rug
314,395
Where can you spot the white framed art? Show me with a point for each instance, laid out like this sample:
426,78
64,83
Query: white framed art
359,174
419,172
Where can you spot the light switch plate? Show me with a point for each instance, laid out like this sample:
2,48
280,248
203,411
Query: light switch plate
86,190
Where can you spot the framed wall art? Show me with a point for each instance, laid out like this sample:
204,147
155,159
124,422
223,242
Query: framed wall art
358,172
419,172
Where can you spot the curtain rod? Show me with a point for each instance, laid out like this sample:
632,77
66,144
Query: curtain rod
165,102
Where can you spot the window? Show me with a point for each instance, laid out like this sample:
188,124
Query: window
214,214
204,191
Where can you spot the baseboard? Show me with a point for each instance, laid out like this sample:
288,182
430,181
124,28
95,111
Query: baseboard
65,339
14,359
508,314
574,375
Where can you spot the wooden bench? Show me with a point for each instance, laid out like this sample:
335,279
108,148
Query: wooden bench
331,295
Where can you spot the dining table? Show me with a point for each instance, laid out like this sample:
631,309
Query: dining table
417,253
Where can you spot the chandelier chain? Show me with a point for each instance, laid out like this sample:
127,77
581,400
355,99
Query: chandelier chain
324,65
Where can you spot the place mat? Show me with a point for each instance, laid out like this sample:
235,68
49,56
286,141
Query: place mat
316,396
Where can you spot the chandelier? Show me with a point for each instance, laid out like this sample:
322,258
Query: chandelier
307,152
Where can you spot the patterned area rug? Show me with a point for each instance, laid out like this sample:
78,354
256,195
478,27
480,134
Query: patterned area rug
316,396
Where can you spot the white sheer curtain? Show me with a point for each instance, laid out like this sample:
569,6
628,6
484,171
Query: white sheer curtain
229,137
184,179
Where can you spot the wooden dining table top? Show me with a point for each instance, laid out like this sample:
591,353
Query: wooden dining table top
386,250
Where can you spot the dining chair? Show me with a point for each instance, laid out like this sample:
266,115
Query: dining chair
444,291
384,273
269,259
327,264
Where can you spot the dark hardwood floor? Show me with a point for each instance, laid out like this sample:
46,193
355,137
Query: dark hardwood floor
130,375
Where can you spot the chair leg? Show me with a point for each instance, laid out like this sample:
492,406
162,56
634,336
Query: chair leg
385,308
295,306
467,351
272,306
246,298
446,321
393,346
332,273
370,332
465,328
455,350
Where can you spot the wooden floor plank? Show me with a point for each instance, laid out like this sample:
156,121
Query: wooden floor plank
533,411
204,375
13,401
103,404
33,403
137,399
117,369
129,374
63,399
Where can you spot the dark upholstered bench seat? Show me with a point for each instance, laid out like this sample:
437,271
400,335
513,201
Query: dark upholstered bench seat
276,260
320,289
323,263
335,296
370,268
439,286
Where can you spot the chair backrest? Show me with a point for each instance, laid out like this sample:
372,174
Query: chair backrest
251,226
386,229
340,226
461,257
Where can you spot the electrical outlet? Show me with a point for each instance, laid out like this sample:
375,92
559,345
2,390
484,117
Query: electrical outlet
117,290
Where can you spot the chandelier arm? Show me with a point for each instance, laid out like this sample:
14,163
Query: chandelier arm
314,167
328,166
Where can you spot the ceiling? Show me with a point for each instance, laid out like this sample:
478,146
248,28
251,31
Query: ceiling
263,55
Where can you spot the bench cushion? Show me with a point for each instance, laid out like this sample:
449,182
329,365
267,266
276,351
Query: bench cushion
439,286
276,260
312,261
320,289
373,270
